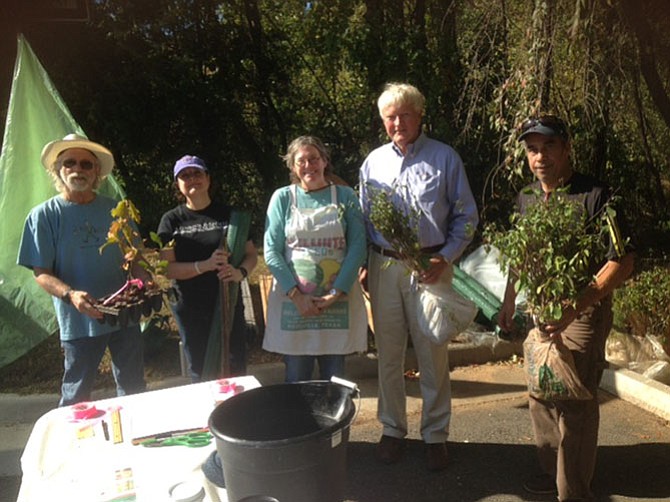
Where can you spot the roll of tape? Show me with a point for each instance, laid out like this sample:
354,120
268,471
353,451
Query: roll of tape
84,411
187,491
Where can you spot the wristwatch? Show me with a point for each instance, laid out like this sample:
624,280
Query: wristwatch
66,297
334,292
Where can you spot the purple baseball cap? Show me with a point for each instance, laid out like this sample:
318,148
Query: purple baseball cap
189,161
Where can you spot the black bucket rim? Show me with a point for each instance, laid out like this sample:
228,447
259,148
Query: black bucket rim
340,425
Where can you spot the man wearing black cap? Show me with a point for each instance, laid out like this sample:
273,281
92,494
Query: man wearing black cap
60,244
566,432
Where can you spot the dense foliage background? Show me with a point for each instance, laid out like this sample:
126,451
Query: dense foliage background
235,80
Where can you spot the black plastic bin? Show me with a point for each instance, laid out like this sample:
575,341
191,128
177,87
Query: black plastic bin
285,441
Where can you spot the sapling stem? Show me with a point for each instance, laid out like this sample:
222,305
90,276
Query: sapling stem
131,282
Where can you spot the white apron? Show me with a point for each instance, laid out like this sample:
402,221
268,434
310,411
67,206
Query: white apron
315,248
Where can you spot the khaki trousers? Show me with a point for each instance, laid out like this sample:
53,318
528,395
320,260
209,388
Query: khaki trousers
566,432
393,313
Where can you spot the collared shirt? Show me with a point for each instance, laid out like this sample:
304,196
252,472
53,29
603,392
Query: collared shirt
430,177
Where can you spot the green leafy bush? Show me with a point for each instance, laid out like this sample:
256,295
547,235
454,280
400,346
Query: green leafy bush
643,305
549,250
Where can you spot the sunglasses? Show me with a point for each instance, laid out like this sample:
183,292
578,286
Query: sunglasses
550,121
86,165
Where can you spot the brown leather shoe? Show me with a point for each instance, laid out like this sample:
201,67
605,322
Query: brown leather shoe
436,456
390,449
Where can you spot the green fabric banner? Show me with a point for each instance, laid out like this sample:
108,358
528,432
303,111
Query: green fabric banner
36,115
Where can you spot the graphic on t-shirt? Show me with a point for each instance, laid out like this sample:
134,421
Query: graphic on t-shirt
87,234
199,227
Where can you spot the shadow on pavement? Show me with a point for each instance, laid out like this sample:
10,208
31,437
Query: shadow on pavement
463,389
476,471
496,472
633,471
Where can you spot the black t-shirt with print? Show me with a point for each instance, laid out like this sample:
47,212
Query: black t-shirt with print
196,234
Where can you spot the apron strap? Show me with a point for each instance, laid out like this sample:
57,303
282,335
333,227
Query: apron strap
293,190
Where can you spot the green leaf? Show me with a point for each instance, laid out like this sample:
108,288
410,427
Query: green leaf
156,239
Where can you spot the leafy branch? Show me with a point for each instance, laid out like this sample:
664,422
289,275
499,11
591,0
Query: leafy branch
398,222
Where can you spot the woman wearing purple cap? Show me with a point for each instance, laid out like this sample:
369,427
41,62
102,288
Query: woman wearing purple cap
197,262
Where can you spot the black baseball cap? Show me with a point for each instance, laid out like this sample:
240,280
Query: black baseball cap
547,125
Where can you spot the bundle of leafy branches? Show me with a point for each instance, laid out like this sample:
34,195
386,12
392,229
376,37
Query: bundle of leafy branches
549,250
397,220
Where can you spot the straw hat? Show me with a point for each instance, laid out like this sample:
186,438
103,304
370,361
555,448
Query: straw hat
52,150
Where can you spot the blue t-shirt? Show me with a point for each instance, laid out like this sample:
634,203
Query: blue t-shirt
65,238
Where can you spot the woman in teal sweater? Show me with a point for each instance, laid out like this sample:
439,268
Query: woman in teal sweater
314,246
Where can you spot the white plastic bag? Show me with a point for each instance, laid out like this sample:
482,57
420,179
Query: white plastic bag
442,313
659,371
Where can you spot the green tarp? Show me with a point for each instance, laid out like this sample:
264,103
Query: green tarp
35,116
489,305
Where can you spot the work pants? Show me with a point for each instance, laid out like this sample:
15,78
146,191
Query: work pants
566,432
394,316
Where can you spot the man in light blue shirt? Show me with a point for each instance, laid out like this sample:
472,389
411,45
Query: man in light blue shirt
429,176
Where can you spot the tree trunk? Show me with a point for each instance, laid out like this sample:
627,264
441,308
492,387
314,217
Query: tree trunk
634,16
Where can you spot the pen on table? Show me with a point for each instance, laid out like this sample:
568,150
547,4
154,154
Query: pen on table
169,434
105,430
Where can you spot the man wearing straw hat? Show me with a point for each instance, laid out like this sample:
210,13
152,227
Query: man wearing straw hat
60,244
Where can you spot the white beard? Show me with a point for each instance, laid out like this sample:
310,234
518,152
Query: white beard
77,183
